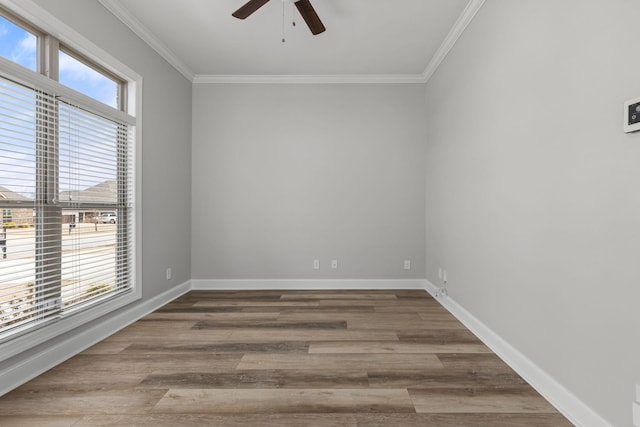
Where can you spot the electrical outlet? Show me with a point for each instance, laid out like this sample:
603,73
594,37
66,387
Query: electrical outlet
442,290
316,264
169,273
334,264
407,264
632,115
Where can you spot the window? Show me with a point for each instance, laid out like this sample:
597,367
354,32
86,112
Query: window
85,79
18,44
66,184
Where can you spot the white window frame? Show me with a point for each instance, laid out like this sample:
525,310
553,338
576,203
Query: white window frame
38,17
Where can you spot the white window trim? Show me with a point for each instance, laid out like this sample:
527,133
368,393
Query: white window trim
33,13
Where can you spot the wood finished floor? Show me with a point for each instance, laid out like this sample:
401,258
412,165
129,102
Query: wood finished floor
285,358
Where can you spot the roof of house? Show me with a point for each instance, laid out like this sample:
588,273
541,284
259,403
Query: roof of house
105,192
12,196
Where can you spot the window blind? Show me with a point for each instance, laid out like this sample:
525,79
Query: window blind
66,194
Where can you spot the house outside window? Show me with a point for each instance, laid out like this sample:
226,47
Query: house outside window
67,153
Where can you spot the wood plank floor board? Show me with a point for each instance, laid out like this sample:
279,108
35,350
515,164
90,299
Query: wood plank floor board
39,421
239,335
198,296
473,361
394,347
326,309
338,361
259,379
241,347
287,401
367,295
202,420
126,363
157,336
258,335
98,402
409,306
480,400
438,336
462,420
196,317
443,378
150,326
264,324
255,303
75,381
285,358
351,317
390,304
396,325
192,309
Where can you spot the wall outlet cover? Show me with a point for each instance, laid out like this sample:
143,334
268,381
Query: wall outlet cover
632,115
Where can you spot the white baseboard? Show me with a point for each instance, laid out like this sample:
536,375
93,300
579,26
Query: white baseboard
566,402
54,354
308,284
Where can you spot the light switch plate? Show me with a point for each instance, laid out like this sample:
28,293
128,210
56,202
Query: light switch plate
632,115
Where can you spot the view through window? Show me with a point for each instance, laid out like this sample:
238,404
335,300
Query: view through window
66,188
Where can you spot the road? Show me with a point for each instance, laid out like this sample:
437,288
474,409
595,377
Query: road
21,242
85,253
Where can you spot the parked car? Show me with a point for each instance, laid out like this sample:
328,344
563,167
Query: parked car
107,218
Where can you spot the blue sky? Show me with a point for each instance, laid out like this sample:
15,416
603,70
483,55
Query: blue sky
17,152
20,46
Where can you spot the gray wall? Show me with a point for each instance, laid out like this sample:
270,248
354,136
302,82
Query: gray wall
284,174
533,190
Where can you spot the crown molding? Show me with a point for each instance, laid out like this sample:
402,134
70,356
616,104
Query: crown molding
450,40
463,21
123,14
310,79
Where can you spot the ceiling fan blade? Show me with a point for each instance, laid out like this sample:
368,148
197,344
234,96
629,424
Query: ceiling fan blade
310,16
248,8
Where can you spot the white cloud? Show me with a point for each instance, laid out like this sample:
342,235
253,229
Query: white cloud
29,43
25,51
76,70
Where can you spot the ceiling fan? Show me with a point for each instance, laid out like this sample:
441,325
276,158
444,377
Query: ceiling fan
304,7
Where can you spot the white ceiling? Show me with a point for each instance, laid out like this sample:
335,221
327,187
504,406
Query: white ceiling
386,40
